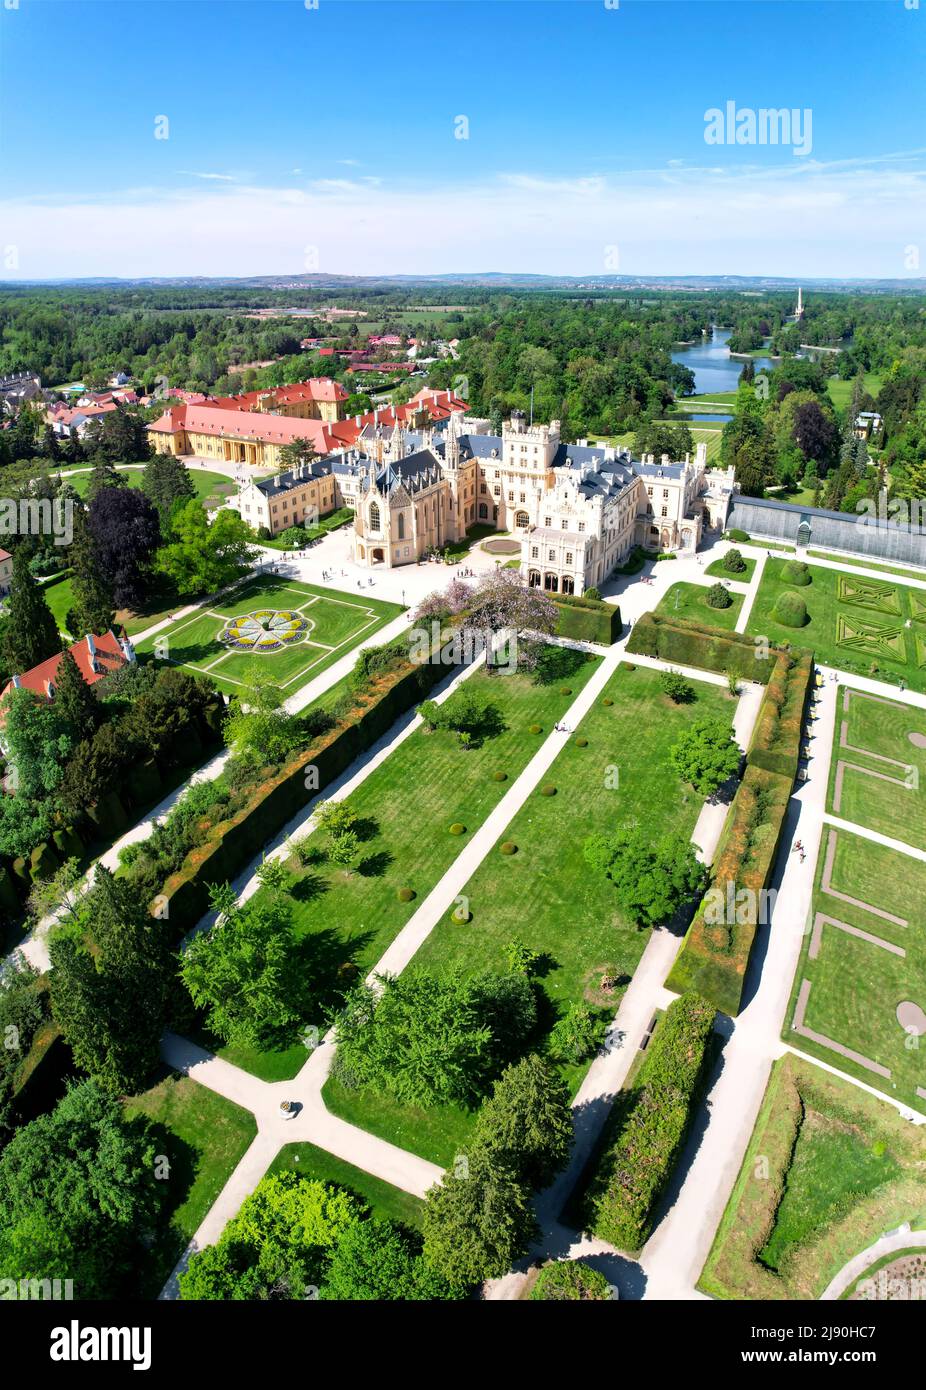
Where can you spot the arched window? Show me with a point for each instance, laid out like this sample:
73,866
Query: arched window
374,517
483,511
401,526
522,519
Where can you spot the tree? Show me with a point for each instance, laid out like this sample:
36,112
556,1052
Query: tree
278,1245
238,972
104,474
377,1260
421,1040
334,817
94,610
165,481
705,755
658,439
478,1221
301,451
258,730
77,1189
38,742
502,602
203,556
674,684
110,986
577,1035
653,879
31,633
344,849
126,531
527,1122
75,702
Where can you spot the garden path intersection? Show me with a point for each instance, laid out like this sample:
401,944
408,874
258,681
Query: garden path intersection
671,1261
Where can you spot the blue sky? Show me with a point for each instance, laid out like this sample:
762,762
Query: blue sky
303,139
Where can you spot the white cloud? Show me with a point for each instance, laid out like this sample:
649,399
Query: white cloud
195,174
853,218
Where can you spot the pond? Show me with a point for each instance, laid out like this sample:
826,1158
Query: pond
714,369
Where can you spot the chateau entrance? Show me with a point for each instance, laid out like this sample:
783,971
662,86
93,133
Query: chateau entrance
377,555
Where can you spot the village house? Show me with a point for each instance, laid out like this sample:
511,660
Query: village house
95,657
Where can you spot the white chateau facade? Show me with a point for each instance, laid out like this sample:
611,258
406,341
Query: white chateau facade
577,510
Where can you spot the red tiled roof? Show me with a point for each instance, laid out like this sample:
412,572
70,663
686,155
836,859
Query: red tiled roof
242,424
108,655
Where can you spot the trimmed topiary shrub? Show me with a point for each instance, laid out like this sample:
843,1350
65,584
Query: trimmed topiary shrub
499,776
734,562
735,534
718,597
628,666
796,572
566,1280
790,609
536,729
565,690
607,700
457,828
461,915
509,847
405,895
581,742
548,790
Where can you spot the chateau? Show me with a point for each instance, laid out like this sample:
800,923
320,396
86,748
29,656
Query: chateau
577,510
251,429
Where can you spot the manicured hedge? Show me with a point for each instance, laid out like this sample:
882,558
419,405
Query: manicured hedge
238,839
776,739
587,619
647,1127
714,955
684,643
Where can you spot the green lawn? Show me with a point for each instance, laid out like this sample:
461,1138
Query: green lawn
700,434
332,522
878,738
385,1201
868,564
867,626
840,392
345,920
545,894
337,622
60,597
718,570
685,600
855,984
210,488
828,1169
203,1136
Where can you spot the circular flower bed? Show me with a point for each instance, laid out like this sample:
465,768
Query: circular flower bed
457,828
265,630
509,847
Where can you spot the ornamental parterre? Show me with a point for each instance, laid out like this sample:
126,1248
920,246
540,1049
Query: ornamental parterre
266,630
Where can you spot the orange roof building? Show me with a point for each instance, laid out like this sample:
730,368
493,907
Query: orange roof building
95,657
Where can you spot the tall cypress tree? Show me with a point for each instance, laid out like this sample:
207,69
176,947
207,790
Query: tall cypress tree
31,633
93,609
111,1002
74,699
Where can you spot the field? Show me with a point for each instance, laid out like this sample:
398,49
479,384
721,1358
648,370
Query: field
545,894
840,392
863,959
690,601
871,627
386,1202
829,1168
878,770
717,570
211,488
203,1136
343,920
327,624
